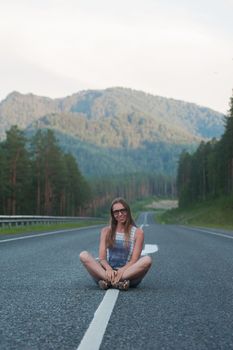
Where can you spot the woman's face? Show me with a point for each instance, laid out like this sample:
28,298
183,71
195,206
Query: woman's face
119,212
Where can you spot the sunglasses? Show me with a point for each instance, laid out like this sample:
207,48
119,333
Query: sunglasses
122,211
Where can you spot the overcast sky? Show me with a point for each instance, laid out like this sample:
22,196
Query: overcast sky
181,49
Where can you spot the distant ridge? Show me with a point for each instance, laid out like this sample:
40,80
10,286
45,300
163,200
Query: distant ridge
101,121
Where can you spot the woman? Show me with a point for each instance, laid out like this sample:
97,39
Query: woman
119,264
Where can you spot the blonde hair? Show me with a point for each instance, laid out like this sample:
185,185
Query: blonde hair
111,236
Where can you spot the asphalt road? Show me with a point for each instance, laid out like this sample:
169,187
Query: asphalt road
47,301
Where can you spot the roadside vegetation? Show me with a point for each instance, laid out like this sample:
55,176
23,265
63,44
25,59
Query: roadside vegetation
213,213
49,227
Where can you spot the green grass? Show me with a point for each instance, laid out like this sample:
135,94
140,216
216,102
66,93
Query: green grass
215,213
50,227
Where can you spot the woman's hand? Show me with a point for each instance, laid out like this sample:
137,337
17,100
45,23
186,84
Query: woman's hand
110,275
118,275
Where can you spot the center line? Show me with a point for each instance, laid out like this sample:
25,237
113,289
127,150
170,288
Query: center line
93,337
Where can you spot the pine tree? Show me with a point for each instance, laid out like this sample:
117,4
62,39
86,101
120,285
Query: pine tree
3,181
226,154
17,165
48,172
184,179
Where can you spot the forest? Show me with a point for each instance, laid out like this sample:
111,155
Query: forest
208,172
38,178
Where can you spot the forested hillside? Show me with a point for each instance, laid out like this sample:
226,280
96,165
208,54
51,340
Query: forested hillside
117,130
160,158
131,116
208,172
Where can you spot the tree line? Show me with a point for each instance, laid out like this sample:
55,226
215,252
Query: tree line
36,177
207,173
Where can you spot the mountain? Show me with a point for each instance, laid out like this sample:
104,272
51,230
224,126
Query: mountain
116,130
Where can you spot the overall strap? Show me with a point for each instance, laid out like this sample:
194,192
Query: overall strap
132,239
133,231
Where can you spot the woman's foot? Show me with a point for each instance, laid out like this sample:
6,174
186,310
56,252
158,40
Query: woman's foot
103,284
123,285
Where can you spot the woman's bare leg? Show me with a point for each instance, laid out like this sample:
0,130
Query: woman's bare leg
138,270
92,266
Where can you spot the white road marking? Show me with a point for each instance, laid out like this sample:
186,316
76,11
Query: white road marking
212,233
144,221
39,235
149,249
146,225
93,337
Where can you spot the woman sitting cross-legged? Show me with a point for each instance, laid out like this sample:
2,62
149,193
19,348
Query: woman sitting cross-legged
120,264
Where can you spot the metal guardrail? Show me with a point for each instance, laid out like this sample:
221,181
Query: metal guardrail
17,220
